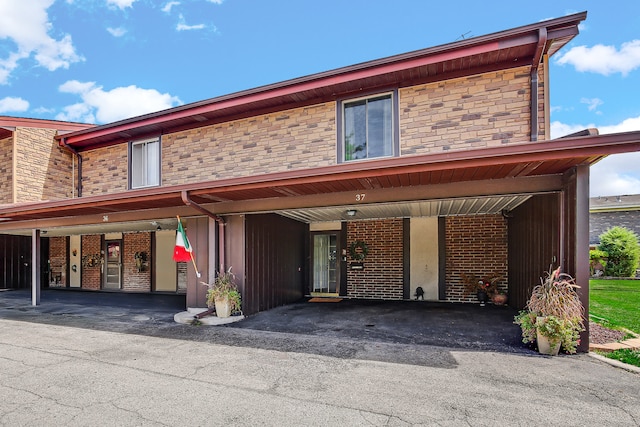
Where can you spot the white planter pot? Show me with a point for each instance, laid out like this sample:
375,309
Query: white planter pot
545,346
223,307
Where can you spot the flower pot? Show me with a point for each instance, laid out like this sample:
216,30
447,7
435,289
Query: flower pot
223,307
482,297
499,299
545,345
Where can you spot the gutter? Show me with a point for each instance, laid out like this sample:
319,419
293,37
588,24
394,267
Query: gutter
542,42
74,151
219,220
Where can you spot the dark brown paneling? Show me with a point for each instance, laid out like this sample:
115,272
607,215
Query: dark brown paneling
15,262
576,238
197,230
275,262
534,230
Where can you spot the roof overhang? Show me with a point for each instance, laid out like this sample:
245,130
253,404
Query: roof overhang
8,125
522,46
525,168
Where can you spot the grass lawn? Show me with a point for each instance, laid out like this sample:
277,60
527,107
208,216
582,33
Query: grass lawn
616,301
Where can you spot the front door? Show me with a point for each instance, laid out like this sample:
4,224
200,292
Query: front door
325,271
113,264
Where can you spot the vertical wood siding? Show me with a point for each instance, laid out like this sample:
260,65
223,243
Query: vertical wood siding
276,265
15,262
533,245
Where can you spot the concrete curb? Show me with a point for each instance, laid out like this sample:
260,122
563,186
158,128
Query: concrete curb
187,317
615,363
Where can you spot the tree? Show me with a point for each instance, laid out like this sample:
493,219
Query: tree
623,251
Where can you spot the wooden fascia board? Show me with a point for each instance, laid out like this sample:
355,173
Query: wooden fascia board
521,185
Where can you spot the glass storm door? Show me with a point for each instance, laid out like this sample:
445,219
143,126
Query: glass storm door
113,265
325,263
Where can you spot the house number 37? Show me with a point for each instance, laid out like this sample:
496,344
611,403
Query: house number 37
360,197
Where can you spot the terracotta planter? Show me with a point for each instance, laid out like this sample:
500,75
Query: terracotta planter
499,299
223,307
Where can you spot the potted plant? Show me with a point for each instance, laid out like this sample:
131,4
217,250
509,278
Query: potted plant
554,315
483,287
223,294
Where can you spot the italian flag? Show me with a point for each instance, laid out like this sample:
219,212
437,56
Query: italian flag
182,250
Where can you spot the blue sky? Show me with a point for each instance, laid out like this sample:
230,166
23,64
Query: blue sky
99,61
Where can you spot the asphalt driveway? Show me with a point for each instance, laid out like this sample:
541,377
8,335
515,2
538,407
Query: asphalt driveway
345,329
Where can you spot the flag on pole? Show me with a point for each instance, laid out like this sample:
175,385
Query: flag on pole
182,250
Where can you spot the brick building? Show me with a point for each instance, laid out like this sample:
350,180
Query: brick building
366,181
610,211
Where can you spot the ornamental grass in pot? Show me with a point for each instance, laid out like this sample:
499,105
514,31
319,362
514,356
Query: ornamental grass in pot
554,315
223,294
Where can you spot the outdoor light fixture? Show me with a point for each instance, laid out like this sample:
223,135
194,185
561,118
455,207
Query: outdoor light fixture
352,212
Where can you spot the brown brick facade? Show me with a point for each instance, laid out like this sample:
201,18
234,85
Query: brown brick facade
104,170
6,170
58,261
474,245
43,169
294,139
484,110
382,277
133,279
91,275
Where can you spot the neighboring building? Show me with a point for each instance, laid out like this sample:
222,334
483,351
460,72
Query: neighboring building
434,163
611,211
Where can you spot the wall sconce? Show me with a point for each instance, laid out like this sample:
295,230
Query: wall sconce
352,212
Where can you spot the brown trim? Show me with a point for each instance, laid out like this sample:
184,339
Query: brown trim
563,28
8,121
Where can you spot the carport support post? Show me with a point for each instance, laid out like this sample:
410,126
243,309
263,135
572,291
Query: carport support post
35,267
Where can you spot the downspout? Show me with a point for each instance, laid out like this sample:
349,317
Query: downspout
219,220
74,151
542,42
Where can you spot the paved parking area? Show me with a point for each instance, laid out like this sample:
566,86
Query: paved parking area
72,365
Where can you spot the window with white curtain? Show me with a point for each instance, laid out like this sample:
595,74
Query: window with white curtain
144,163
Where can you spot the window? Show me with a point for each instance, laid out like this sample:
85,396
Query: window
144,163
368,128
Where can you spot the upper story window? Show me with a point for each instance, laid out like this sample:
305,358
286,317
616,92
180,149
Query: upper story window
368,128
144,163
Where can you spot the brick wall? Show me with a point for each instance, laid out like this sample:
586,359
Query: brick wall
382,277
294,139
43,168
132,279
484,110
474,245
599,222
91,276
6,170
104,170
58,261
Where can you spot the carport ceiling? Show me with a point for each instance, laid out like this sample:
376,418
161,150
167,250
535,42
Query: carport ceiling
449,207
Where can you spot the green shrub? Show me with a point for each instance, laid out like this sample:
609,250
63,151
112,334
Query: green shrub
597,261
623,250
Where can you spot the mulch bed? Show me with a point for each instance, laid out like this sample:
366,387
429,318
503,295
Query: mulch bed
598,334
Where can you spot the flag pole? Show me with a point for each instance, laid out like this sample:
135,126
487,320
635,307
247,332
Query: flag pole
198,275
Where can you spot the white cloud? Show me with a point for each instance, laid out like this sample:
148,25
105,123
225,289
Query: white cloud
182,26
13,104
26,23
121,4
617,174
167,7
592,103
120,103
216,1
603,59
117,32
